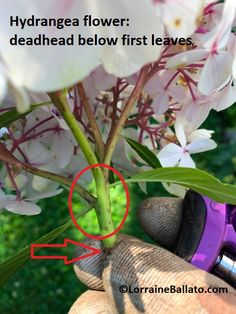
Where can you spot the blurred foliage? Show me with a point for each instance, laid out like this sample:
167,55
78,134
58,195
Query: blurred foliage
222,160
47,286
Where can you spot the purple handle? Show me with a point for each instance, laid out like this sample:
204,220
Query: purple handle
213,235
219,232
230,230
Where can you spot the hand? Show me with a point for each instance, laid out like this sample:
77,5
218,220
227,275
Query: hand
133,265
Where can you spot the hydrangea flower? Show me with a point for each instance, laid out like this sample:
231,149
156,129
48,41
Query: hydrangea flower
24,206
179,155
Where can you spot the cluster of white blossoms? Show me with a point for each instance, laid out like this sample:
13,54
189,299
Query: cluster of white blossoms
184,84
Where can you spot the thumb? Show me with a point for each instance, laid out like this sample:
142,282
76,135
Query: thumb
161,219
140,268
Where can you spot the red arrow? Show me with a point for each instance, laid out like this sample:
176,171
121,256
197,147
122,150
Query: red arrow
64,257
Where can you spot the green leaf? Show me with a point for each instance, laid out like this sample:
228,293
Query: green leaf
13,115
144,153
17,261
193,179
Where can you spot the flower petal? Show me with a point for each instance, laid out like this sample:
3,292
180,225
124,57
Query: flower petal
200,133
201,145
36,153
20,97
125,60
218,38
226,98
215,73
186,161
23,208
180,16
180,132
98,81
160,103
43,185
63,148
186,57
170,155
41,196
20,180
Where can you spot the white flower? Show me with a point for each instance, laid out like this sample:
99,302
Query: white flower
227,96
196,111
218,66
38,156
180,16
24,206
49,68
161,88
20,180
62,147
179,155
98,81
77,164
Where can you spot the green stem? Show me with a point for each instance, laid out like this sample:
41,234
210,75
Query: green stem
103,209
115,132
62,180
104,215
92,121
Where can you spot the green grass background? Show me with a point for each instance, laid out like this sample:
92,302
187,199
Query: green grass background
48,286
